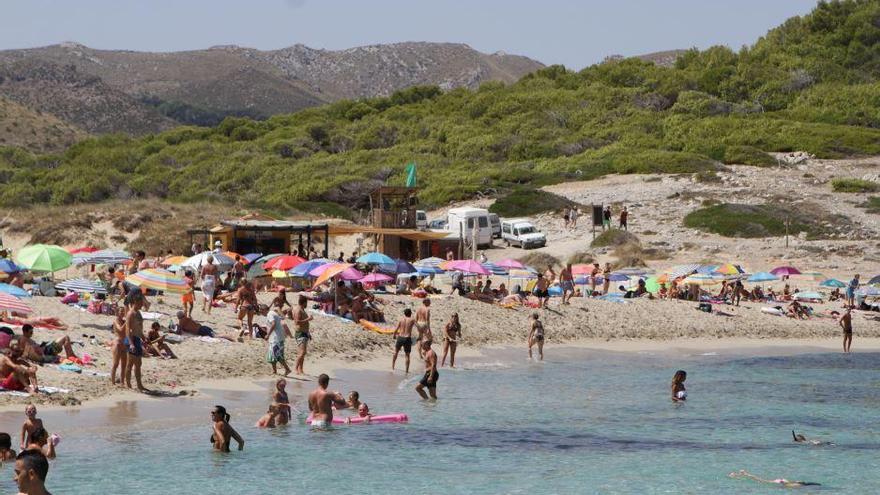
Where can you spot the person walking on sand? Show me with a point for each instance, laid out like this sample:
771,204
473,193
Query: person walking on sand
606,218
536,336
566,280
573,218
276,333
624,215
566,215
30,471
302,336
423,324
851,291
321,402
594,274
403,337
188,299
846,324
451,336
606,276
134,337
223,431
208,276
541,291
679,393
429,381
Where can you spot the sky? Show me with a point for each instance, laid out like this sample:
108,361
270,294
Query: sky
570,32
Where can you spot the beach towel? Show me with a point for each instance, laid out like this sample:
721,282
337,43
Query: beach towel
372,327
147,315
44,390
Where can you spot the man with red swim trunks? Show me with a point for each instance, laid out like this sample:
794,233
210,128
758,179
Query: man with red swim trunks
15,373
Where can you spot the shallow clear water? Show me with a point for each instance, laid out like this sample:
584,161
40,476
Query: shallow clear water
582,422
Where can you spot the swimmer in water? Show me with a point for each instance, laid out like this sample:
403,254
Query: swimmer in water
799,438
679,393
778,481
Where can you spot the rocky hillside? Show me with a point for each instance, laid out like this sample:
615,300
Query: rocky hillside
34,130
204,86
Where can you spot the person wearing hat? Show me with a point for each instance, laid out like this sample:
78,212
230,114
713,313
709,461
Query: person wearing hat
218,246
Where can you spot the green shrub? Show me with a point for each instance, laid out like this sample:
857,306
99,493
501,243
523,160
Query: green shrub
614,237
527,202
851,185
751,221
872,205
747,155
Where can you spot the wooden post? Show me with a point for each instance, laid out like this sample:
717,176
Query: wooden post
787,223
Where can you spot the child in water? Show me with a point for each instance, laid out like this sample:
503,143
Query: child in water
679,393
282,403
31,424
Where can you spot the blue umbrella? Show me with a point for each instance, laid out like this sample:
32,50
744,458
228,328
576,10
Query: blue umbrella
706,269
428,270
303,269
252,256
13,290
617,277
7,266
397,266
762,277
868,291
833,282
376,259
808,296
494,269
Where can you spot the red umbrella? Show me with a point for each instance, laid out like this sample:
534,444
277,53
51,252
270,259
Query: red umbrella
85,249
284,263
785,270
13,304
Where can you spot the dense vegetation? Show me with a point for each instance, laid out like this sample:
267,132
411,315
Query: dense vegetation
768,220
812,84
527,202
850,185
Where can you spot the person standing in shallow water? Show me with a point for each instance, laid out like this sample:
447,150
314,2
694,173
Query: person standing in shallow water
223,432
536,336
679,393
429,381
846,325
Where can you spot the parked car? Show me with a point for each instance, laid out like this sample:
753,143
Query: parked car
421,219
495,222
438,224
521,232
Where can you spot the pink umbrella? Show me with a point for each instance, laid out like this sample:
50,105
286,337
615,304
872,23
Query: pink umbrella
785,270
509,263
318,270
351,274
375,278
466,266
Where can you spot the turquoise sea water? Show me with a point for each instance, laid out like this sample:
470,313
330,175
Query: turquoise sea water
581,422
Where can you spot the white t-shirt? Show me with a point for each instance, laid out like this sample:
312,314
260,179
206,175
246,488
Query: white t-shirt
273,321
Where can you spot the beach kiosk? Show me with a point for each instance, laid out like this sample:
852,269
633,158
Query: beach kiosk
264,234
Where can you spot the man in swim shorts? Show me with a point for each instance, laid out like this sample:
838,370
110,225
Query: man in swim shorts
423,323
134,340
321,403
846,325
429,381
45,351
403,337
302,336
15,373
566,280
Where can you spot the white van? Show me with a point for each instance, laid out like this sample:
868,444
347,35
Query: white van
521,232
421,220
495,222
466,220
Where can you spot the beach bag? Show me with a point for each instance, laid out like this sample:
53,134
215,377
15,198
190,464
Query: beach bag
705,307
71,298
94,307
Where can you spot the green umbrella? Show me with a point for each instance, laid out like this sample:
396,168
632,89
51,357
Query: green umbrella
44,258
652,285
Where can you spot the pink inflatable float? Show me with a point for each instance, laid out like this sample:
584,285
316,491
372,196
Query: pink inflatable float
383,418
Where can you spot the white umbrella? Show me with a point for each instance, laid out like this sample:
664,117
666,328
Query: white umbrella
81,285
104,256
225,263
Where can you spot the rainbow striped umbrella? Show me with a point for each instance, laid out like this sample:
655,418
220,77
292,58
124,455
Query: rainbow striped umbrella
13,304
158,279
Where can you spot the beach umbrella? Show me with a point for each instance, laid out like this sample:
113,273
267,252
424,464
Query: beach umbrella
397,266
466,266
510,264
104,256
701,279
13,304
868,291
7,266
280,274
303,269
85,249
428,270
762,277
320,269
618,277
14,290
806,296
521,274
581,269
375,258
632,271
158,279
81,285
44,258
351,273
233,254
706,269
329,271
873,281
785,270
283,263
376,278
494,269
681,270
833,283
652,285
728,269
173,260
224,262
251,257
432,261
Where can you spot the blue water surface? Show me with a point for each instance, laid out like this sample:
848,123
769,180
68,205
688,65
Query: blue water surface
581,422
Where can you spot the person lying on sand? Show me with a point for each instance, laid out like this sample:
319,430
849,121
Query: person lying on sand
188,325
778,481
45,351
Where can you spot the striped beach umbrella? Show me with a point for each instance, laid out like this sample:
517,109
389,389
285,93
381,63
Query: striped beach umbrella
494,269
173,260
632,271
224,262
13,304
44,258
510,264
728,269
81,285
681,270
158,279
14,290
284,263
701,279
104,256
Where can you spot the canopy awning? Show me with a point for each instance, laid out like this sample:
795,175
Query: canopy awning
411,234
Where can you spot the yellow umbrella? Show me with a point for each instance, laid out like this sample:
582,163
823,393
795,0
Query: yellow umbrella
701,280
174,260
280,274
331,272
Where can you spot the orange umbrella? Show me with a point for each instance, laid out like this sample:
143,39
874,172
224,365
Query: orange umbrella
174,260
233,254
331,272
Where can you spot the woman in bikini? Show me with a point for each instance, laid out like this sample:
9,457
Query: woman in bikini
451,336
118,347
223,432
679,393
247,307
